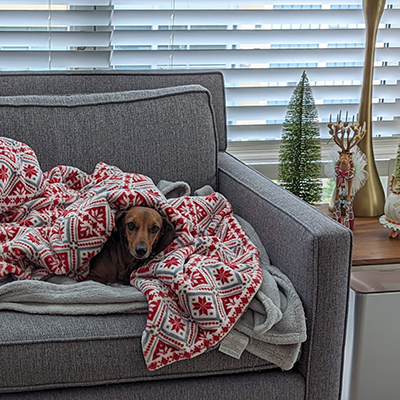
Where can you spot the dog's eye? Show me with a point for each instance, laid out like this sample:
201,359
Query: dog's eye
131,226
154,229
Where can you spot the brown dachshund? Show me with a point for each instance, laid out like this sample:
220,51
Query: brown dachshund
139,234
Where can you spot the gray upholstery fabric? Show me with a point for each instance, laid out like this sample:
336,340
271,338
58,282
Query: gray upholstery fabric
171,126
48,351
73,82
314,252
274,385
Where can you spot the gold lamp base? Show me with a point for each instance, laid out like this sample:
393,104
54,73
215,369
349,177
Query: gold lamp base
369,201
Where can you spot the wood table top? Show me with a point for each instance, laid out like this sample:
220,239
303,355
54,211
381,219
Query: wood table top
372,245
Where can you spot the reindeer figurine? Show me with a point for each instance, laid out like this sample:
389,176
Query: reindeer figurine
347,135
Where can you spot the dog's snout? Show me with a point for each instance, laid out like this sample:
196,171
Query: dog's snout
141,251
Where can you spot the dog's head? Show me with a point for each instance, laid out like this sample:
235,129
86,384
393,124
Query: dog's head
146,232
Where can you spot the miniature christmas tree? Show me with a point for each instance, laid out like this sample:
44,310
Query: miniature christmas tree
300,153
395,180
397,169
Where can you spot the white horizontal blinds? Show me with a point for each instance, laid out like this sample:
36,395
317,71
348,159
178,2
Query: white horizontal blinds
328,42
143,36
54,34
262,49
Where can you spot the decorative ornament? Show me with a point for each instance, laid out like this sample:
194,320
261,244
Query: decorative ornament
349,168
391,218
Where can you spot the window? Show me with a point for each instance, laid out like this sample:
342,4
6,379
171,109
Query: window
262,49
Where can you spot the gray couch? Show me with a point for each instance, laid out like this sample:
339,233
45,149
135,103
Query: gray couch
167,137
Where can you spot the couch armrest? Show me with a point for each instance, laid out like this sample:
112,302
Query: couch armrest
314,252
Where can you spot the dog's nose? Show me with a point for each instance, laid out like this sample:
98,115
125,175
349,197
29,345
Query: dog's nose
141,251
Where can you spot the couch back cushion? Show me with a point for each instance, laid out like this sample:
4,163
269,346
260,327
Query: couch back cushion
166,133
18,83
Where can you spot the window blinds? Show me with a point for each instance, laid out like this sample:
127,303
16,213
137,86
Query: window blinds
261,47
54,34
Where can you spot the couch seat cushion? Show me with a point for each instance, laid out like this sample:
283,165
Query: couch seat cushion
50,351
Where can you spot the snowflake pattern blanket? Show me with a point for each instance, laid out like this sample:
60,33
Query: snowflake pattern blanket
54,222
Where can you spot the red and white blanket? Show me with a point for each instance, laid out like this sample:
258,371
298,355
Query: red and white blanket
54,222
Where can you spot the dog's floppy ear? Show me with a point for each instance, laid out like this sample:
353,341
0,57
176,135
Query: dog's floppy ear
119,220
166,237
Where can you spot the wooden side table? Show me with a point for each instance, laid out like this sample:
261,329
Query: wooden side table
372,245
372,352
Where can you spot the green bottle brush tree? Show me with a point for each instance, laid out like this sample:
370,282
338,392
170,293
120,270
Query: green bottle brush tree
300,152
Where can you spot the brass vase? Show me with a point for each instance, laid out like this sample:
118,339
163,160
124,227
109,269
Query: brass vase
369,201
